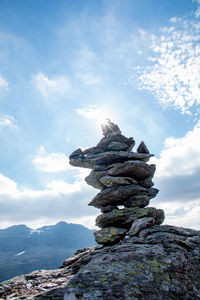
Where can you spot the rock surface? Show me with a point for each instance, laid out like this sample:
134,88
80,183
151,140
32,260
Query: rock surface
158,263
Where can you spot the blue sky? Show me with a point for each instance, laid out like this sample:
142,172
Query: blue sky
64,65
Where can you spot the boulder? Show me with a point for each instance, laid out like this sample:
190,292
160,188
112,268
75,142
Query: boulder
142,199
109,236
118,195
123,218
135,169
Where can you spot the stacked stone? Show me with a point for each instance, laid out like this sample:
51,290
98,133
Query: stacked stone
125,181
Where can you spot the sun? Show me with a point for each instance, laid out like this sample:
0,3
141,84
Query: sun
103,118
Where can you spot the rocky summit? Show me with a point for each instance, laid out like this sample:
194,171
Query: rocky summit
156,263
138,258
125,179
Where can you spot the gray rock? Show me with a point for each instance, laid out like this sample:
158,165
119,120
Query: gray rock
76,153
135,169
118,195
92,160
110,181
108,208
140,224
147,182
137,201
142,148
123,218
93,179
142,199
163,265
110,235
105,141
117,146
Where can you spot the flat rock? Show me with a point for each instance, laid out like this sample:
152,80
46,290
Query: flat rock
117,146
140,200
93,160
93,179
76,153
109,236
147,182
135,169
123,218
110,181
119,138
118,195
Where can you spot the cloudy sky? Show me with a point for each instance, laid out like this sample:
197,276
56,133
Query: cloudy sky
66,64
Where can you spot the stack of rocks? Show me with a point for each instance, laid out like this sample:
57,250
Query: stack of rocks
125,181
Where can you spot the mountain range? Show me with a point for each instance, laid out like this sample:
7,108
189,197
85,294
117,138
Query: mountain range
23,250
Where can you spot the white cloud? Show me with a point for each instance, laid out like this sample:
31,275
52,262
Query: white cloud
180,156
8,186
52,162
173,75
59,200
181,214
177,178
7,121
59,85
3,83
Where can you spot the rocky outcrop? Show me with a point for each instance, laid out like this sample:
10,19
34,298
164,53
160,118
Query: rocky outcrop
124,178
157,263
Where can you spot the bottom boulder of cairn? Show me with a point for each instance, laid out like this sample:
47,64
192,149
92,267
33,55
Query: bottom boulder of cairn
125,179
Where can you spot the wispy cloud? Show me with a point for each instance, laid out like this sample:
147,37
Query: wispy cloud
88,78
3,83
93,112
59,85
51,162
89,111
7,121
197,12
173,74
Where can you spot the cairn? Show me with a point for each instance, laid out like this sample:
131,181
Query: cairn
125,181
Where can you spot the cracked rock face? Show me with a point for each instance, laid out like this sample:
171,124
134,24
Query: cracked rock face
124,178
157,263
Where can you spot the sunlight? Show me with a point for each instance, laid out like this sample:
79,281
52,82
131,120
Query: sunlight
92,112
